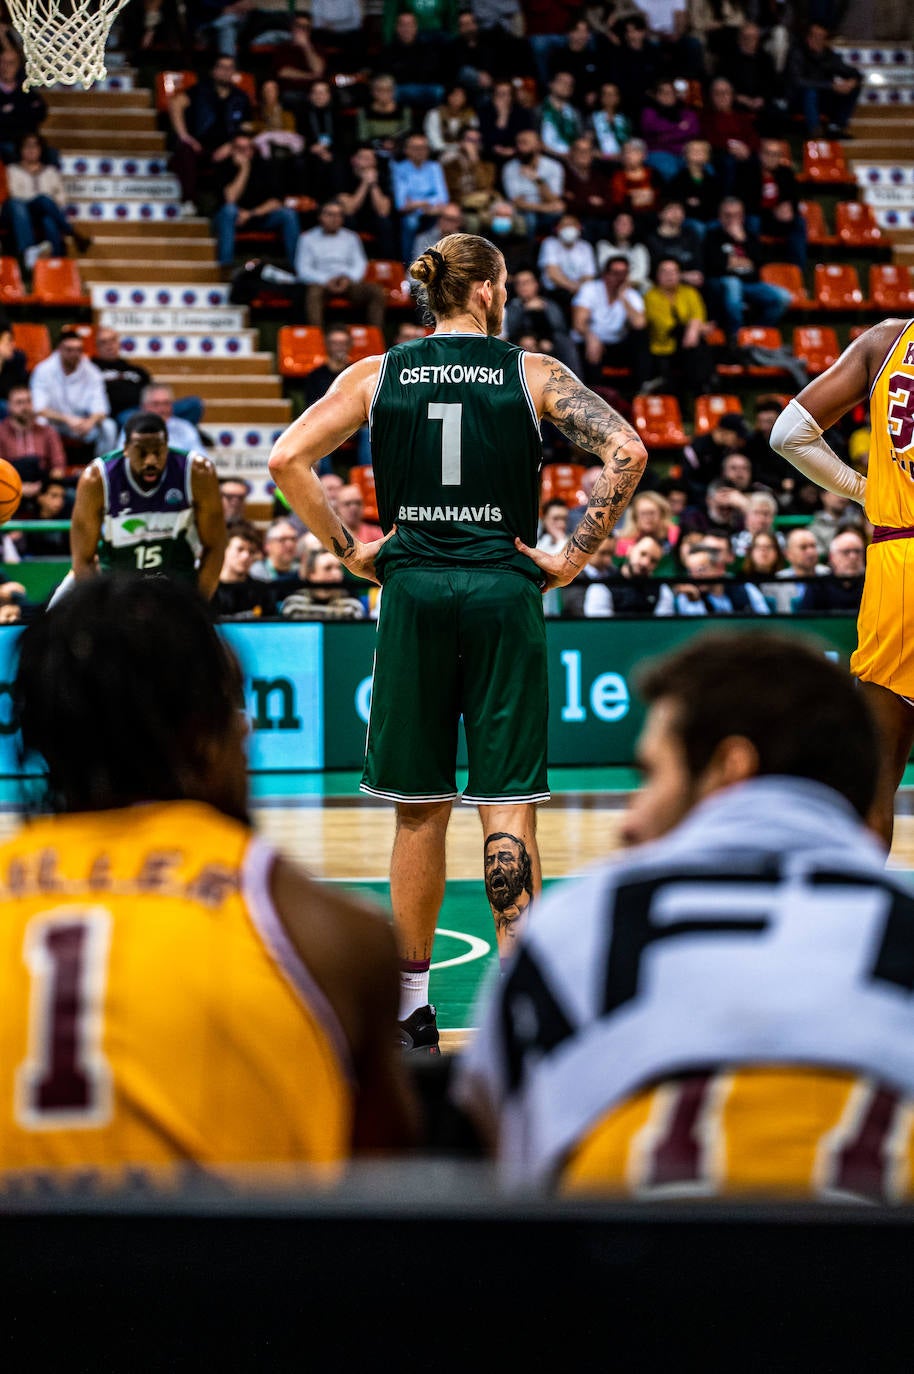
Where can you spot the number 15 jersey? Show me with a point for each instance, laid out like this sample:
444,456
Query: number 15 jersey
456,452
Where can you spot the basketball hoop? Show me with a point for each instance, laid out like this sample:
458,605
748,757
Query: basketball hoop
64,40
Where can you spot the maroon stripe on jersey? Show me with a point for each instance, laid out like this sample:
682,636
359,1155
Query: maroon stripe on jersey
883,532
862,1161
676,1157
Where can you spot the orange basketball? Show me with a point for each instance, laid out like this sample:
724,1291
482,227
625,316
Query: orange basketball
10,491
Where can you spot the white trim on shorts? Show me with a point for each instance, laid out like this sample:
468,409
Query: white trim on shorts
505,801
408,796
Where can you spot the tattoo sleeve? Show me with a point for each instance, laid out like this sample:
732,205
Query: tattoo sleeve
590,423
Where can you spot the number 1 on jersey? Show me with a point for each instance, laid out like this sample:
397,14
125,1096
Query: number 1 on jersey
450,413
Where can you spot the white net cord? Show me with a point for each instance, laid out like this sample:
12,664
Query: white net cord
64,44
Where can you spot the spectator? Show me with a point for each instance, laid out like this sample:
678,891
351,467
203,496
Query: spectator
204,121
331,261
324,595
419,189
733,139
705,454
584,56
757,85
559,121
611,128
68,392
367,202
470,179
239,596
218,23
251,199
507,228
667,125
674,238
678,328
732,260
821,86
546,24
553,526
317,384
587,190
717,26
469,58
446,124
14,369
34,209
802,562
758,518
278,563
608,315
576,512
532,316
736,471
534,183
449,220
762,561
49,503
635,63
637,590
383,122
648,513
841,590
779,199
415,61
720,507
235,493
566,261
298,63
124,379
635,187
697,187
590,595
501,119
437,18
159,399
705,593
624,241
351,507
34,450
340,24
317,123
769,467
835,513
21,112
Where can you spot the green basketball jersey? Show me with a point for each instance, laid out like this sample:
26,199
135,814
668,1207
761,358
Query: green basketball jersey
456,452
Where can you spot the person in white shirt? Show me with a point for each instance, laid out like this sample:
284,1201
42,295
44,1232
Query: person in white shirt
534,183
608,315
566,261
69,392
331,261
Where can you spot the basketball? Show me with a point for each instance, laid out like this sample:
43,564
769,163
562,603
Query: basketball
10,491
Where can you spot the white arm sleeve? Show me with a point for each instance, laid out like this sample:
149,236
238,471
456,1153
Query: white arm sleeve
798,438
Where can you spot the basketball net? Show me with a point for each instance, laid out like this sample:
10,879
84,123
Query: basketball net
64,40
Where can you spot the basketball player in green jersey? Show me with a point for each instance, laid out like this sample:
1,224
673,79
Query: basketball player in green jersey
455,438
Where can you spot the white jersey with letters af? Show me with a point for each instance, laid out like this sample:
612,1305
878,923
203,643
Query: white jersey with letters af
763,930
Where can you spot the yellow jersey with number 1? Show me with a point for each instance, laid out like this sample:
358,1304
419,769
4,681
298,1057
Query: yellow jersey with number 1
154,1012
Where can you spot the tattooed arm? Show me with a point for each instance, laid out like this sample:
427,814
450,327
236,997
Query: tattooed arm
320,430
589,423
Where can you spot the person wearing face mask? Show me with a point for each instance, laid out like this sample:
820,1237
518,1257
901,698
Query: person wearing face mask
508,231
566,261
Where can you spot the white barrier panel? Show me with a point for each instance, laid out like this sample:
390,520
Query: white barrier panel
117,211
189,345
127,294
112,165
175,321
102,188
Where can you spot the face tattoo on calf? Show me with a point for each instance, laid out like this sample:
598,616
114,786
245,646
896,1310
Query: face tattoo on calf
509,879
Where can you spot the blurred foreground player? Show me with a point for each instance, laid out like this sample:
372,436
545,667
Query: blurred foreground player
726,1010
880,366
175,993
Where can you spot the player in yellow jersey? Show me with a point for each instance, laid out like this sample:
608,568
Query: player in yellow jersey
725,1010
879,365
174,992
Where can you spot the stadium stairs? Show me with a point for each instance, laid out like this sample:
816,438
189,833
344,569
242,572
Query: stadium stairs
881,155
152,274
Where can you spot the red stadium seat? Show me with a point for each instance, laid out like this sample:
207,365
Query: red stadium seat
760,336
34,340
367,340
56,281
658,420
169,83
816,346
837,287
824,162
389,275
856,225
363,478
12,287
300,348
561,482
817,233
789,276
891,288
709,409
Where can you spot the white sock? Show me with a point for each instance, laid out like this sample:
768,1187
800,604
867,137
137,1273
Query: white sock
413,991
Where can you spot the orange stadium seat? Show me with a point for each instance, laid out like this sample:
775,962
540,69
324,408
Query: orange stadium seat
561,482
12,287
34,340
816,346
824,162
856,225
788,275
169,83
300,348
709,409
891,287
363,478
837,286
367,340
658,420
56,281
817,233
389,275
760,336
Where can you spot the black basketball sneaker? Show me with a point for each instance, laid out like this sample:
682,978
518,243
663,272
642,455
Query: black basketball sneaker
418,1034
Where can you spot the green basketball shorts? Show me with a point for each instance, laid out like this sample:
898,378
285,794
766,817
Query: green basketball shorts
451,643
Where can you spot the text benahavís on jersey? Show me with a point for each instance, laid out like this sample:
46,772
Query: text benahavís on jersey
453,372
465,515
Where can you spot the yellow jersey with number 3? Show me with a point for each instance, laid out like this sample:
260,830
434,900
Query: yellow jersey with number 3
154,1011
890,473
